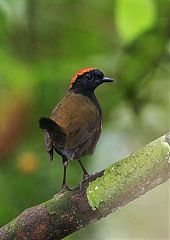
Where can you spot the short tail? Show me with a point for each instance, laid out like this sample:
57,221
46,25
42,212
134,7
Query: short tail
54,130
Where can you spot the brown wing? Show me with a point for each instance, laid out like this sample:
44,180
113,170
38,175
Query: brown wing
81,122
88,145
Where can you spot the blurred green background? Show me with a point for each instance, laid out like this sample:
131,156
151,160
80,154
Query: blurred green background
42,44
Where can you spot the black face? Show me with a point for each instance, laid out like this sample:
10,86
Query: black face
88,81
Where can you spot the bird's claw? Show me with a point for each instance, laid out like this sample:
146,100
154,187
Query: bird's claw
65,188
85,176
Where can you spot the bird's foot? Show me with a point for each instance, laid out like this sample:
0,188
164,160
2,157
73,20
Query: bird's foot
65,188
85,176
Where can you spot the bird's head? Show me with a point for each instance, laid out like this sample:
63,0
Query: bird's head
87,79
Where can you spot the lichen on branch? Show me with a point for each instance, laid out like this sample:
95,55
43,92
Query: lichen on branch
135,171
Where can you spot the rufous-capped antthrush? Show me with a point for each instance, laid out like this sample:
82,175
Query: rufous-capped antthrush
74,126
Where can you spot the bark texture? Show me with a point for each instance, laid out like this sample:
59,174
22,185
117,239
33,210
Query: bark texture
98,196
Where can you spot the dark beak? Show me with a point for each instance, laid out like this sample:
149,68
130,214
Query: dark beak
106,79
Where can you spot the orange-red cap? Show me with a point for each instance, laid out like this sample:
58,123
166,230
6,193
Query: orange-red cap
79,73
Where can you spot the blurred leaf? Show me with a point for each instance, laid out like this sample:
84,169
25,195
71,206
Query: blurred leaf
133,17
15,74
15,11
5,8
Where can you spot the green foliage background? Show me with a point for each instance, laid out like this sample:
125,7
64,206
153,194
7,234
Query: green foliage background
42,44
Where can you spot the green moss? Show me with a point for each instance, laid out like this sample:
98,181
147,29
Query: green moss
127,173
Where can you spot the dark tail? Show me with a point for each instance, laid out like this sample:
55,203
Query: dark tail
54,130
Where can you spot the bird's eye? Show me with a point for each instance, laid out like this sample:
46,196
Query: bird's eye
89,77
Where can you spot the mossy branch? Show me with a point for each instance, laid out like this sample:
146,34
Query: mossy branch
98,196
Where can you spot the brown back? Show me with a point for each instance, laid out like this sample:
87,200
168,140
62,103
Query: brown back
81,122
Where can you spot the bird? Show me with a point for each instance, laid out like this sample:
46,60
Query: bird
75,124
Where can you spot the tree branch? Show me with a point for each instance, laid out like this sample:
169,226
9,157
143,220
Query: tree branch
98,196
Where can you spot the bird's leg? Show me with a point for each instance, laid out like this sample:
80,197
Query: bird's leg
85,173
65,164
